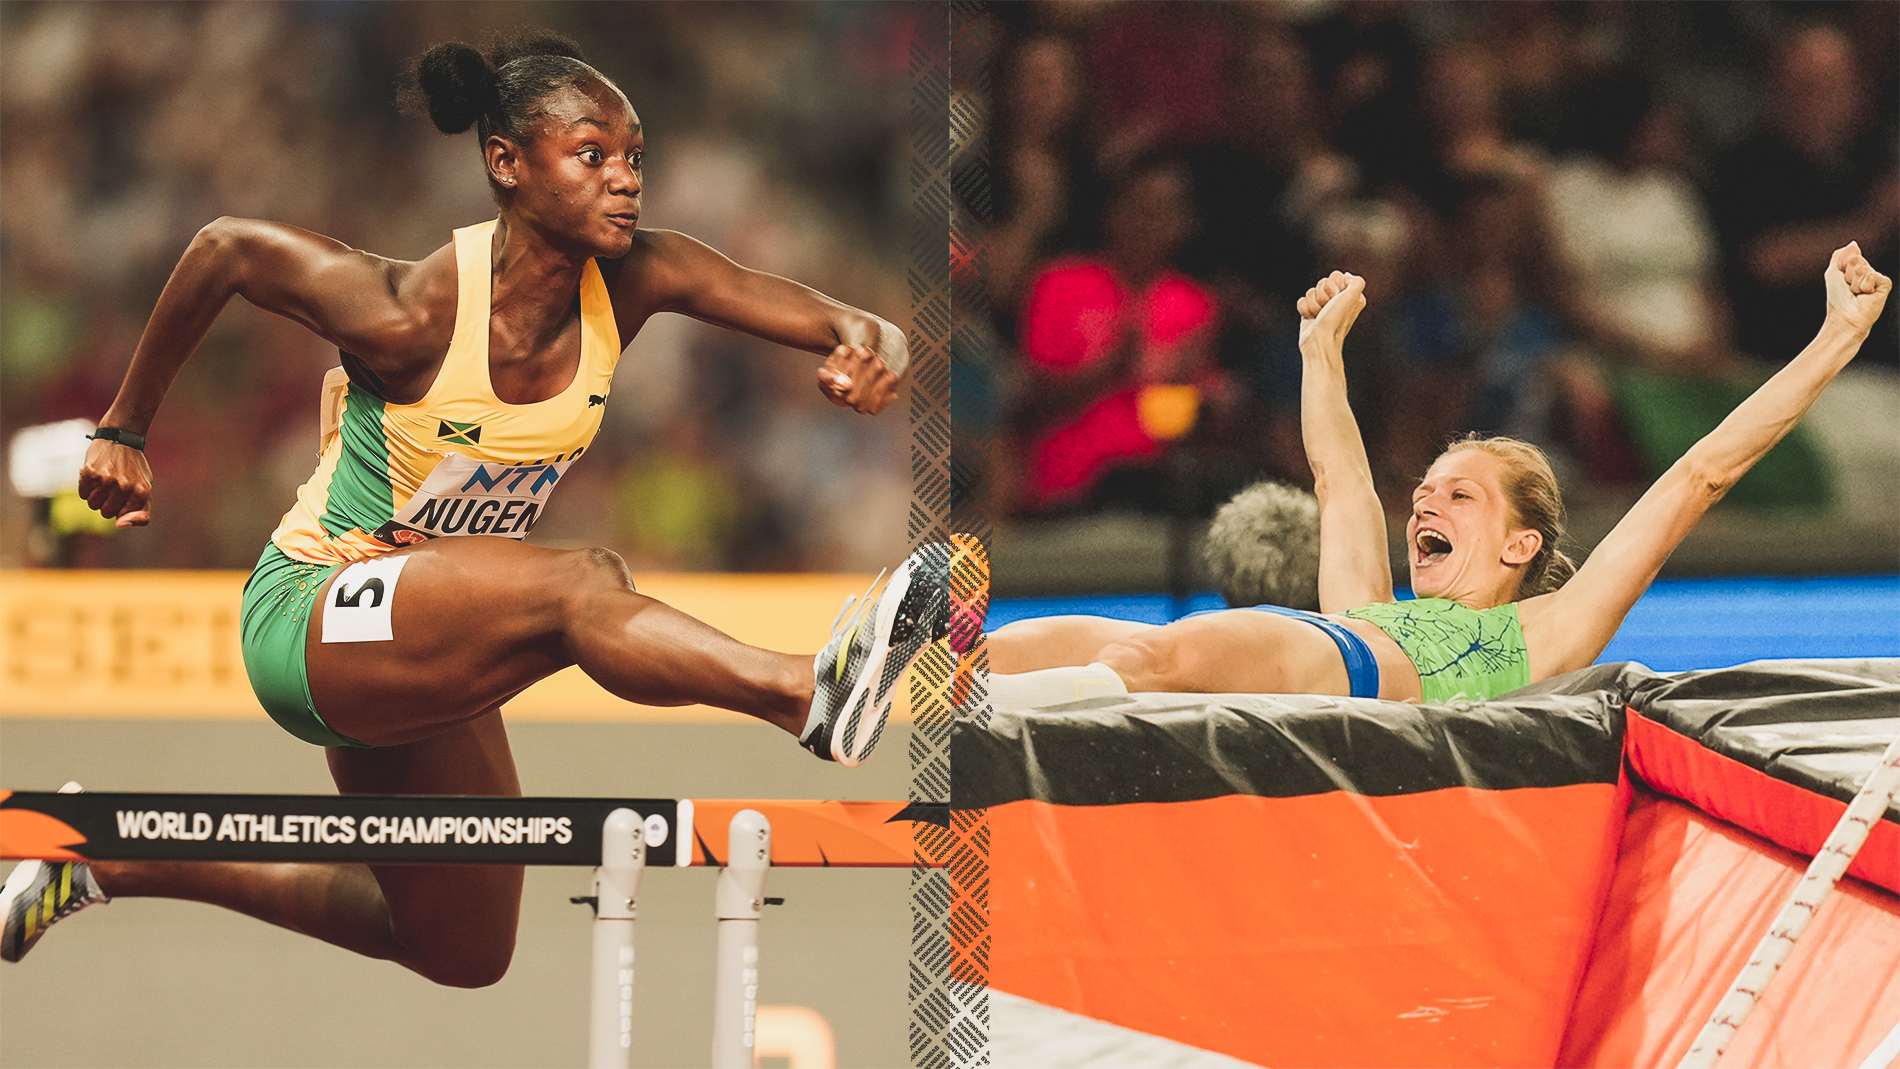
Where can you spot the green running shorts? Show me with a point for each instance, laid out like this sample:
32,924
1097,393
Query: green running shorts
275,619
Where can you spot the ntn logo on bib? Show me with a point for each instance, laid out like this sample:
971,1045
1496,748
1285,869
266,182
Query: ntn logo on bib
464,496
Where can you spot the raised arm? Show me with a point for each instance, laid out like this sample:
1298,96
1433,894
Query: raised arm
345,296
1567,629
1354,566
865,356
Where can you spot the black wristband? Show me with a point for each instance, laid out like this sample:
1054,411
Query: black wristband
132,439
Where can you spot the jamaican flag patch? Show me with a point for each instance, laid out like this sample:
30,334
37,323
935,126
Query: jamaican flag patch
460,433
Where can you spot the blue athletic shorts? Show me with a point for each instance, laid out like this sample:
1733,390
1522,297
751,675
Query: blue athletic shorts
1362,669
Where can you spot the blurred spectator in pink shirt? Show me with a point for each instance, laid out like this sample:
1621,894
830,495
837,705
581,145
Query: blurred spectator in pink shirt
1116,347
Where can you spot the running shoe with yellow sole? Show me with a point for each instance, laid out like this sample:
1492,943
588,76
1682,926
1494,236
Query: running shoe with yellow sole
859,669
39,894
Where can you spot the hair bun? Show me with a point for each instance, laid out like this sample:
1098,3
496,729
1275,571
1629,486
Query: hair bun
457,86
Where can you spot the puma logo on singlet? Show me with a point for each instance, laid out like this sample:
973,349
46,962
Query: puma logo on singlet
595,399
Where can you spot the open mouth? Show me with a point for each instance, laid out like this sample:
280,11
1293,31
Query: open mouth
624,219
1432,547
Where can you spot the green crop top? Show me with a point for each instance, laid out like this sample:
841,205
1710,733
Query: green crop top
1461,654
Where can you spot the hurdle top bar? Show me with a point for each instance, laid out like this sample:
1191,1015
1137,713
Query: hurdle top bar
451,829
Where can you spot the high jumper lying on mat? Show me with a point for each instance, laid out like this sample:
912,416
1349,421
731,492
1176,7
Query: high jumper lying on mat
368,632
1499,605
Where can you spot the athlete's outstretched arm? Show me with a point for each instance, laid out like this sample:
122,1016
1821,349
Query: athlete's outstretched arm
1354,566
1567,629
347,297
865,356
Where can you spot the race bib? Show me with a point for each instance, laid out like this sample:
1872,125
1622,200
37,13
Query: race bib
357,609
471,497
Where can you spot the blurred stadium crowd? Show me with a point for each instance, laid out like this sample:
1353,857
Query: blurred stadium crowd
775,133
1590,224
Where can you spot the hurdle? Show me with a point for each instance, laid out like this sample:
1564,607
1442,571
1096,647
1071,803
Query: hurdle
618,838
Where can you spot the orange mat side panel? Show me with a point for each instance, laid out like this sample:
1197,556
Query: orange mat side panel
1443,928
1796,818
1690,899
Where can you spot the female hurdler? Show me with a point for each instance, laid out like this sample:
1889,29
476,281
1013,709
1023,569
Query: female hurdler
471,379
1499,607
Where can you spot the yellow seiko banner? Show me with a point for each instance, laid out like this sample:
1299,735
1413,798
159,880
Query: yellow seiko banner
108,644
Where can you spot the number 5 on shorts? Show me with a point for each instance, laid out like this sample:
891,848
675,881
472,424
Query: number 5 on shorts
358,604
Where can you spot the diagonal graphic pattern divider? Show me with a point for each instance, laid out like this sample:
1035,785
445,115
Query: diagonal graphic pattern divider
949,1026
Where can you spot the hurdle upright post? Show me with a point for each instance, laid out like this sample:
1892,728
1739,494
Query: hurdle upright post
738,900
623,855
